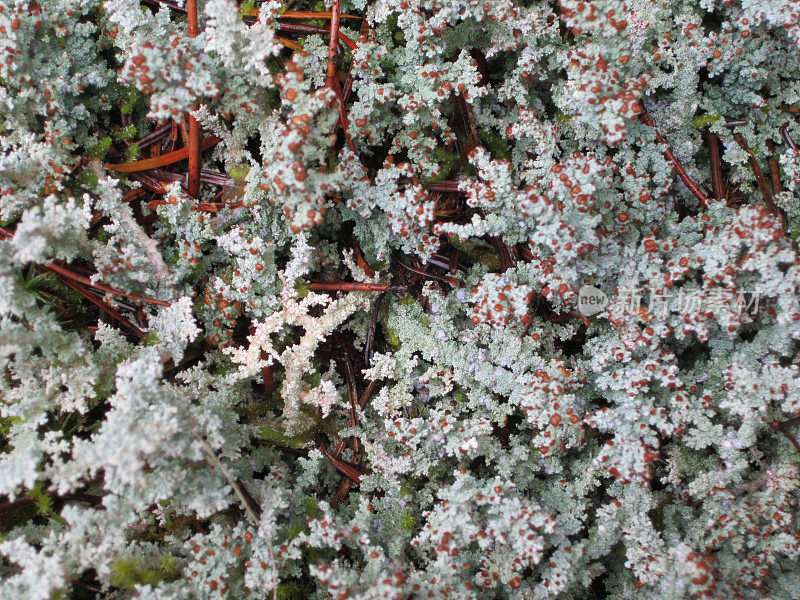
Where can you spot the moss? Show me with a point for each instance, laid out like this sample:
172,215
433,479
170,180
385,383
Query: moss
100,148
703,121
239,173
6,423
496,143
295,528
312,506
132,152
408,522
391,335
125,133
44,502
301,440
446,160
301,287
477,251
294,590
128,573
88,179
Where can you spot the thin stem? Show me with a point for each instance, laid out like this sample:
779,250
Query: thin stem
445,187
791,422
716,166
306,14
104,307
777,425
361,261
763,186
344,468
194,158
352,394
150,183
344,488
289,43
295,28
371,332
337,89
158,134
363,30
362,401
269,380
504,252
248,507
219,179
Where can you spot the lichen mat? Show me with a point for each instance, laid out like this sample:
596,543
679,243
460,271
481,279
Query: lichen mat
378,300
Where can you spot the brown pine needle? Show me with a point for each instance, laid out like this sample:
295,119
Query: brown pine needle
303,14
716,167
99,286
763,186
345,286
684,176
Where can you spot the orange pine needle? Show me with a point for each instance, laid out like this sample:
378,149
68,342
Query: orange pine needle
344,286
361,262
347,41
159,161
289,43
335,15
193,144
305,14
